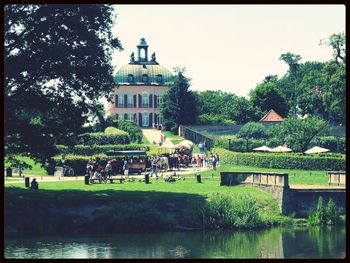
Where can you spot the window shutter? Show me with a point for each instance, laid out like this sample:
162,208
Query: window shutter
150,120
125,101
150,100
116,101
125,116
117,116
140,101
140,120
135,117
155,101
155,118
134,101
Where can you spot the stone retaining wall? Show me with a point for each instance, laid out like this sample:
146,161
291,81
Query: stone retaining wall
291,201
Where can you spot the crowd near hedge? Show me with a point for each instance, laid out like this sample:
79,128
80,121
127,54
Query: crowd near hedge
335,162
90,150
101,138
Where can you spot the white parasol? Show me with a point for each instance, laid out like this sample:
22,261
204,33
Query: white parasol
262,148
317,149
281,149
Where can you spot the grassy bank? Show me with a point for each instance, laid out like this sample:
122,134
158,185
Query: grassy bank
72,207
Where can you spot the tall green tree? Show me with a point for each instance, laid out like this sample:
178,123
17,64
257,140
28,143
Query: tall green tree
179,105
292,91
57,63
337,42
252,130
266,96
224,105
298,133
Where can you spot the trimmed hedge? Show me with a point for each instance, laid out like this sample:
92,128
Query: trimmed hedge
77,162
99,149
100,138
283,161
114,131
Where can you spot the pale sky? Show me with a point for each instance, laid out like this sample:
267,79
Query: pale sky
227,47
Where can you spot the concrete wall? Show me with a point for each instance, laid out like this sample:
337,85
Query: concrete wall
300,202
303,201
276,184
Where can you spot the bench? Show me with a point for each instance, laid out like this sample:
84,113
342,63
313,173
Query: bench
92,180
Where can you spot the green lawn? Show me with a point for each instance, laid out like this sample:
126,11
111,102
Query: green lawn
36,167
295,176
77,191
172,136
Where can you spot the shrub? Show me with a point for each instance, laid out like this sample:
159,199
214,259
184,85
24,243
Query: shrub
324,215
132,129
282,160
237,144
227,212
99,149
100,138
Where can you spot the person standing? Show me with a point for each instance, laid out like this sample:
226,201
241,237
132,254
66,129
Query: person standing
126,169
109,169
214,162
34,185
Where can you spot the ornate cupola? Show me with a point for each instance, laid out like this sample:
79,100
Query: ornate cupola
142,47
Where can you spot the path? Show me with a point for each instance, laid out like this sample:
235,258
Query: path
51,178
153,135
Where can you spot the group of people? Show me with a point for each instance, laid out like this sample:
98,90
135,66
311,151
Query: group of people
204,160
203,147
95,169
162,140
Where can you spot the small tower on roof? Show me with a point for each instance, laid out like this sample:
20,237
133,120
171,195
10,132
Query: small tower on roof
142,47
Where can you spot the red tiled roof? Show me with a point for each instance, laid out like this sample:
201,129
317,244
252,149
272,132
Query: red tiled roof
271,116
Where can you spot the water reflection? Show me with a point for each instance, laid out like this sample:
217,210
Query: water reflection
272,243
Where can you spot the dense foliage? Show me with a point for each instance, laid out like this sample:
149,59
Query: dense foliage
100,138
325,214
135,133
179,103
283,161
298,133
56,64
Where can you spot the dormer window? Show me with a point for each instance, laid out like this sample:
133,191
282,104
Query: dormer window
159,78
144,78
131,78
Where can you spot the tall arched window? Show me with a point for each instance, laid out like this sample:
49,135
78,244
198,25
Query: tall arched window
145,100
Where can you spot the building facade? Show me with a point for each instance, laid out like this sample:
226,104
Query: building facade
140,87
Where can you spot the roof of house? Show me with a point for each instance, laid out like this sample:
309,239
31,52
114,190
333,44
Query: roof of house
271,116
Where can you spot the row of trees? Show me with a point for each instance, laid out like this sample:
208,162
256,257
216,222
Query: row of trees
310,88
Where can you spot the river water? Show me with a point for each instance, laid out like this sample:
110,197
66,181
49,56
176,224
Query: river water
272,243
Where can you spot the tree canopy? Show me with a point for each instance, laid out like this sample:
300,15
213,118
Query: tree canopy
179,104
57,61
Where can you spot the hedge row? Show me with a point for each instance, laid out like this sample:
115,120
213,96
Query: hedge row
283,161
240,145
100,138
77,162
88,150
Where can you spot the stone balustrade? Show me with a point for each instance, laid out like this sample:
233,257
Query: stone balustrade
336,178
255,178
